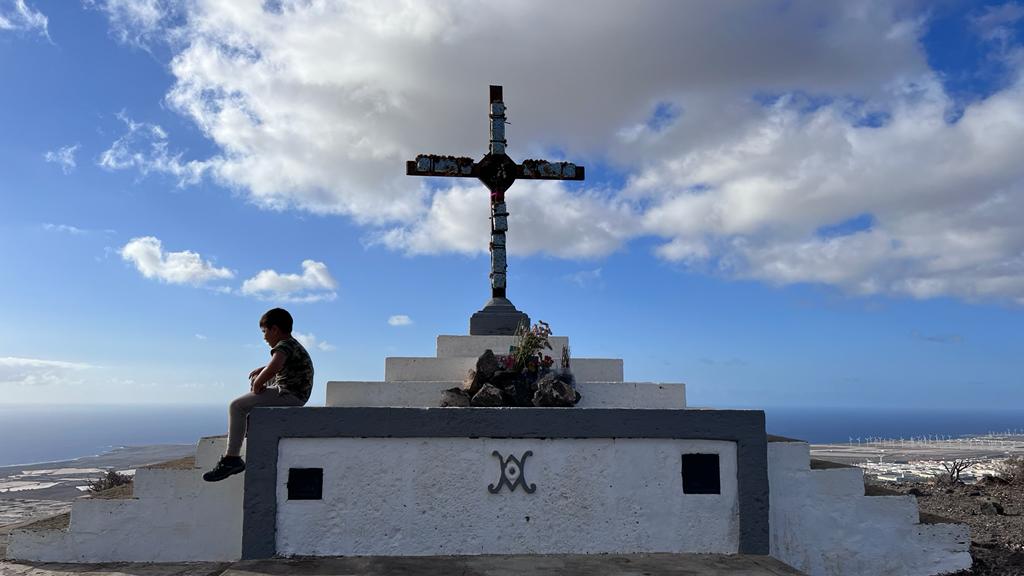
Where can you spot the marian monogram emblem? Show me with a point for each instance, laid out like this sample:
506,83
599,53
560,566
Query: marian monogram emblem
512,474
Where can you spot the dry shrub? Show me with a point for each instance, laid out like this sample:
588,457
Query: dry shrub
111,479
1013,469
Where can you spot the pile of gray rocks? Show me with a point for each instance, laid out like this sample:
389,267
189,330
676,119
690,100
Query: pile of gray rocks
492,385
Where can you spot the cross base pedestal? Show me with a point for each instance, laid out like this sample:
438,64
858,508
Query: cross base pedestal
498,317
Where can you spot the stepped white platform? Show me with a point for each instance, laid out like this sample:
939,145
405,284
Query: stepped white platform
400,477
418,382
170,515
822,522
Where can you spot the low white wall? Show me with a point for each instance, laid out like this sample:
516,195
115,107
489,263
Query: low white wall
428,394
428,496
824,525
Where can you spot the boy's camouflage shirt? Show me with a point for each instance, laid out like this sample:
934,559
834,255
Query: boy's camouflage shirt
296,377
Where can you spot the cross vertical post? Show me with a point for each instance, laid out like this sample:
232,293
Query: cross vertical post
497,171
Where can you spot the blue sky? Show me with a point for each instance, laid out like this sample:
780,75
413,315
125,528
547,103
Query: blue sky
787,204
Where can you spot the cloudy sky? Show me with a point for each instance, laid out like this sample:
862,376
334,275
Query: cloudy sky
787,203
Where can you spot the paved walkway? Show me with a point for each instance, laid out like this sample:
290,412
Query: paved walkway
562,565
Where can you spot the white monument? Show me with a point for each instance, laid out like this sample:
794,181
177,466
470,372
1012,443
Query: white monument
380,470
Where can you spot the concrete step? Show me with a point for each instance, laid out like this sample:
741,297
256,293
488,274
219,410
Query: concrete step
205,524
837,481
790,456
169,483
139,539
167,514
426,394
420,369
209,450
825,520
474,346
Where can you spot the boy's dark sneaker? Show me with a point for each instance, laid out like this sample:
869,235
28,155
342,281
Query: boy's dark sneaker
228,466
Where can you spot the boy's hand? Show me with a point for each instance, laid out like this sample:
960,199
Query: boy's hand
259,378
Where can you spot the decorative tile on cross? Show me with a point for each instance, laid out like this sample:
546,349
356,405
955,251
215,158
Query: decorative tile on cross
497,171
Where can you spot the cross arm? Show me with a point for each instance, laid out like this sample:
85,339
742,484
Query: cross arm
438,165
544,170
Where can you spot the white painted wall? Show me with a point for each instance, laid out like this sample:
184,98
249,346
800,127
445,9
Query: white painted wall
424,496
822,524
428,394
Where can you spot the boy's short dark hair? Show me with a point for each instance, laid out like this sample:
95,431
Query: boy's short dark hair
277,317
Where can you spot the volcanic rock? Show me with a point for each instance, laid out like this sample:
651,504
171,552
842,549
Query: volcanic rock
486,366
555,390
488,396
454,397
992,508
515,386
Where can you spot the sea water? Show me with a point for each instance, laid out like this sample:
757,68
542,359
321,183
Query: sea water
30,434
842,425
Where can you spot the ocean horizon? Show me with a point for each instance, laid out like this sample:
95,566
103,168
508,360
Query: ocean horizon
40,433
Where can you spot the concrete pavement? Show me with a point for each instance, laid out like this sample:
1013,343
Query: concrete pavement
582,565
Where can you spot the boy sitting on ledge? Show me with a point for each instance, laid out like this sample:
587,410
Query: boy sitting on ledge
287,380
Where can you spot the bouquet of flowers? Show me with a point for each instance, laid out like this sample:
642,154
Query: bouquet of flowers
527,352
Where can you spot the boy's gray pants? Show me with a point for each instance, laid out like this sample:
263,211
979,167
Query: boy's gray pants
238,413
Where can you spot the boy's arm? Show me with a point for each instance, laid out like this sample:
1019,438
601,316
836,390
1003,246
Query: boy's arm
269,371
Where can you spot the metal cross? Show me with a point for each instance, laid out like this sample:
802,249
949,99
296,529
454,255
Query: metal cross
497,171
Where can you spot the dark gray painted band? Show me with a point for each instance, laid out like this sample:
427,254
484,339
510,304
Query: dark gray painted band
268,425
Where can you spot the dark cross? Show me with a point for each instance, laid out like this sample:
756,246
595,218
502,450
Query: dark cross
497,171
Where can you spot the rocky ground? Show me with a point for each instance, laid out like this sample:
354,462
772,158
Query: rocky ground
993,509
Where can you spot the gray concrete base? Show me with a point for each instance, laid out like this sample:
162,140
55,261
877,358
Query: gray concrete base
498,317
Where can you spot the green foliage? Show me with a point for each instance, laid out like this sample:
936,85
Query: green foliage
110,479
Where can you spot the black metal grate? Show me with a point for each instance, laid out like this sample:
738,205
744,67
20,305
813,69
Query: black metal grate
701,474
305,483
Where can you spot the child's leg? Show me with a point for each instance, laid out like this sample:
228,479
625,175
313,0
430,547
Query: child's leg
238,413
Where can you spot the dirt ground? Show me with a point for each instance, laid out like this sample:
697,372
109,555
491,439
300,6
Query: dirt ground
991,508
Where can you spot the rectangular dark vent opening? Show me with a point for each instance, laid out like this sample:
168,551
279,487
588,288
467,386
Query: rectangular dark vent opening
700,474
305,483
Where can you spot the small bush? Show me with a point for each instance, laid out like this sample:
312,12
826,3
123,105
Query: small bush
109,480
1013,469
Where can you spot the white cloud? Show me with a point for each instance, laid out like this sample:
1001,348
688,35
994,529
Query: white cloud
941,197
144,147
185,267
544,217
135,22
37,372
201,337
18,16
585,278
300,126
64,156
310,341
75,230
314,284
997,23
66,228
783,122
399,320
